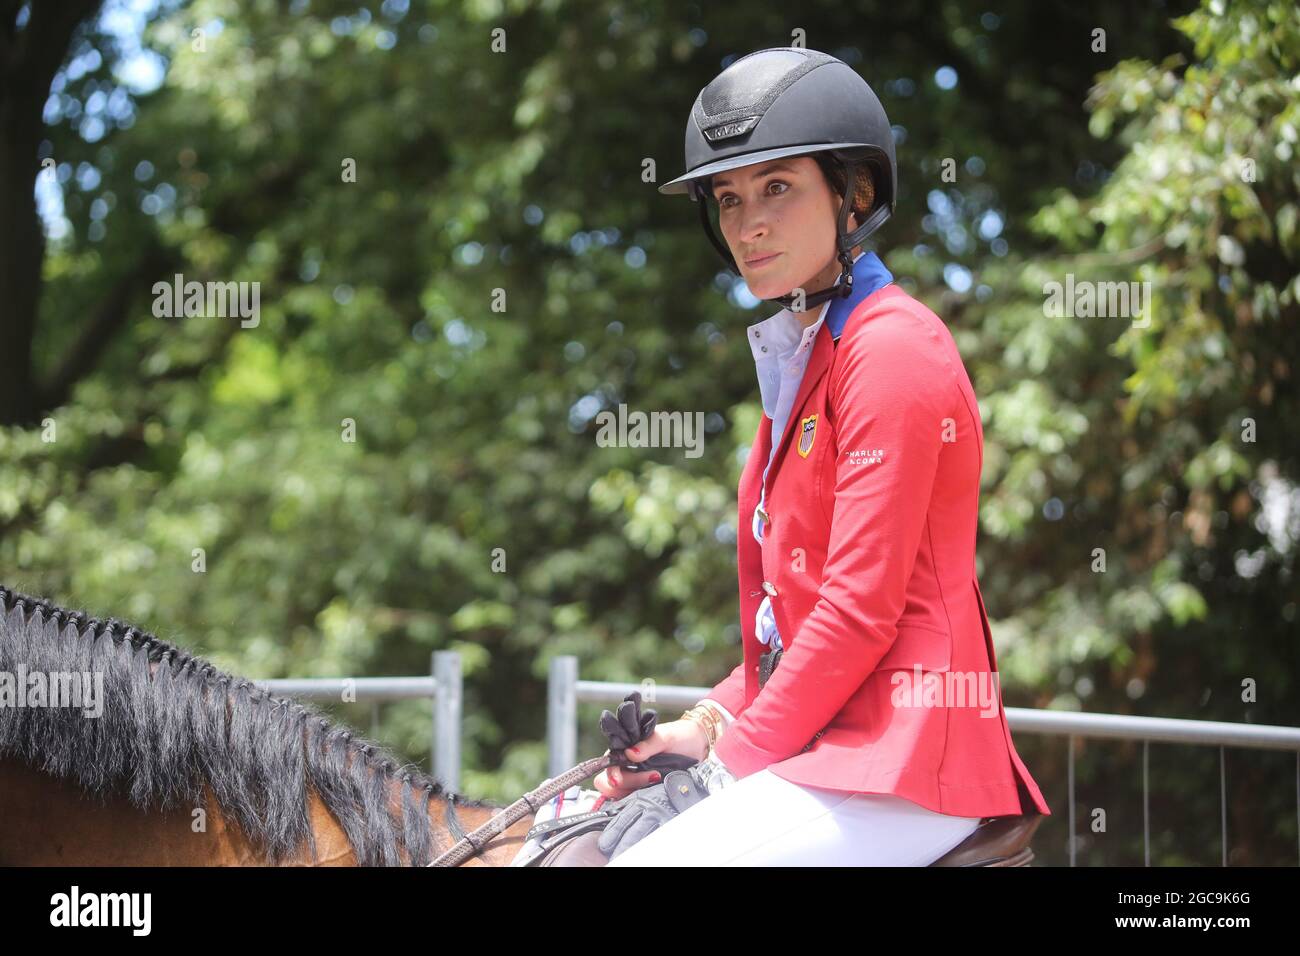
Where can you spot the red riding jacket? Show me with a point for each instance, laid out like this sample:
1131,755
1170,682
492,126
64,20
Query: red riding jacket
869,558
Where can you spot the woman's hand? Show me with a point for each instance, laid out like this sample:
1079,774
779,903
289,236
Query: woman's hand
677,736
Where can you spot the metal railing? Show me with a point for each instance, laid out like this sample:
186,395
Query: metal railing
565,691
443,685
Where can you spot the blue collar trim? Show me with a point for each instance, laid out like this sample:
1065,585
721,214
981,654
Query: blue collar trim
869,275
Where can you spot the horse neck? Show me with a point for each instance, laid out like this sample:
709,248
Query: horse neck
45,820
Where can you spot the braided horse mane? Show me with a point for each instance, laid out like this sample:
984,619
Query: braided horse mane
161,737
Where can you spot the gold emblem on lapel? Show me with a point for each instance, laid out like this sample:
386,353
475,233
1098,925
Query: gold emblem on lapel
807,433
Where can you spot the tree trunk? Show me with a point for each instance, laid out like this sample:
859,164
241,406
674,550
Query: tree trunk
29,58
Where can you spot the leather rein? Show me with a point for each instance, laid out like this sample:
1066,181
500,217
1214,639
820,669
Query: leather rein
469,845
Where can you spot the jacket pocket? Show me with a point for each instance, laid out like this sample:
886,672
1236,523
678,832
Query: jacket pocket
930,649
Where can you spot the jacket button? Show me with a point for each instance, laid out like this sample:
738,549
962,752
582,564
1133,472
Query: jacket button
770,588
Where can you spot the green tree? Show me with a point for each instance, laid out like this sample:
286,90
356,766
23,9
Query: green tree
499,269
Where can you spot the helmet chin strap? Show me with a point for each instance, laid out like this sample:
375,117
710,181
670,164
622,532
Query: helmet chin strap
844,243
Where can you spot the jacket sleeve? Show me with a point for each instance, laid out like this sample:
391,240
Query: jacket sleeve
729,693
894,389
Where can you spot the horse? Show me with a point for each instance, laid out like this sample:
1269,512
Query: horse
120,749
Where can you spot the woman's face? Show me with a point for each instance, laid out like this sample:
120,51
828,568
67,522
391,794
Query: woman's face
784,210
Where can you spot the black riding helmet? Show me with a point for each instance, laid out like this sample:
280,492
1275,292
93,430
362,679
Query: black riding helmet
790,101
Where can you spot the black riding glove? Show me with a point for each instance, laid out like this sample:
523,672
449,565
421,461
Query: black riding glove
631,726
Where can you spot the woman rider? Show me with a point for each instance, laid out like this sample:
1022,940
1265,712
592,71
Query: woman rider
880,738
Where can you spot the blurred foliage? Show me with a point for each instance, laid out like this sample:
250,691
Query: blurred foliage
514,178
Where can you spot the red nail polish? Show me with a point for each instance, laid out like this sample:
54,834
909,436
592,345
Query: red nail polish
655,778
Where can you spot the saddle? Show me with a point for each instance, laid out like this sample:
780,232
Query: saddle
998,841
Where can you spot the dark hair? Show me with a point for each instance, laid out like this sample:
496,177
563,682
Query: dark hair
836,177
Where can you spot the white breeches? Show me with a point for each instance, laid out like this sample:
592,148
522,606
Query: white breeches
763,820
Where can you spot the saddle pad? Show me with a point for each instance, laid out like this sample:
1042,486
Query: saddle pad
565,804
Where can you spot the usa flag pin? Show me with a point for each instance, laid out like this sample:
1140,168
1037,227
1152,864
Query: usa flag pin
807,433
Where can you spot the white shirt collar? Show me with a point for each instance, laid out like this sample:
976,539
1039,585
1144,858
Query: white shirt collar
782,333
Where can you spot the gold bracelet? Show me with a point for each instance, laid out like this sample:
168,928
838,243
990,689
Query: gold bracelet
710,735
719,723
706,717
696,715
